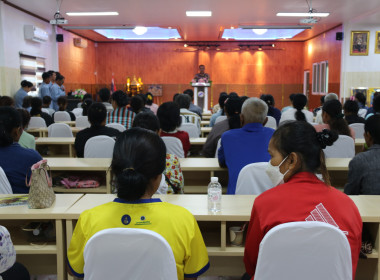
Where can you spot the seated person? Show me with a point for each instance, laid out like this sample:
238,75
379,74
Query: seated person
46,101
296,156
26,86
361,100
184,101
222,98
248,144
26,140
6,101
370,110
36,111
62,106
316,110
333,119
97,114
138,104
291,103
86,104
351,109
363,174
86,96
15,160
193,108
173,173
232,109
27,103
137,165
105,95
272,111
169,116
120,113
328,97
375,107
297,112
149,103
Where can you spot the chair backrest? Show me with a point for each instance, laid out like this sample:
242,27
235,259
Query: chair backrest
77,112
218,146
36,122
362,113
344,147
82,121
253,179
173,146
191,129
220,118
304,250
59,130
61,116
122,251
5,186
359,130
117,126
100,146
271,122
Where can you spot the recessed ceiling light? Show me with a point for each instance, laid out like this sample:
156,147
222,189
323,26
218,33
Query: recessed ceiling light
302,14
140,30
260,31
73,14
198,13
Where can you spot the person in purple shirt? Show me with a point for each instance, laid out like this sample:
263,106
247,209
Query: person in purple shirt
249,144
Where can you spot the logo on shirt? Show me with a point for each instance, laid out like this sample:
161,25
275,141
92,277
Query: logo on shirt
142,222
126,219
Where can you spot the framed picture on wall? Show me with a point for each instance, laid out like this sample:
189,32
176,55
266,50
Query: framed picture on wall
377,42
359,42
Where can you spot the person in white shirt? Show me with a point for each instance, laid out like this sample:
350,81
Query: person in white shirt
297,112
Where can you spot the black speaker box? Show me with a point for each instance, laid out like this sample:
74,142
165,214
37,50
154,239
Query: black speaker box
339,36
59,37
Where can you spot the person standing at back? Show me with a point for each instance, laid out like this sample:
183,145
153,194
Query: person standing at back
56,90
26,86
44,89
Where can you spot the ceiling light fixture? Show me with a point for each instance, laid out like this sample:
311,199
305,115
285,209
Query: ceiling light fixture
140,30
275,27
310,14
79,14
260,31
198,13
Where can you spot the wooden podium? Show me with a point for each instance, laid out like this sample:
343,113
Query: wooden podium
202,101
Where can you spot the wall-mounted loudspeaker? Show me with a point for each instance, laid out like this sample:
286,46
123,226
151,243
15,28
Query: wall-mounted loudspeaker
59,37
339,36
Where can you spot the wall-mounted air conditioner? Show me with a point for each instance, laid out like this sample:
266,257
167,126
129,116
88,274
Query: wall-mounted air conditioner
35,34
80,42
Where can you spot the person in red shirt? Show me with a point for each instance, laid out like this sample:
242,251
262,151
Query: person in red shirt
296,155
169,116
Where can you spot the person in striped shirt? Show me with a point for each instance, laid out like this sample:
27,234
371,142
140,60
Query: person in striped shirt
120,114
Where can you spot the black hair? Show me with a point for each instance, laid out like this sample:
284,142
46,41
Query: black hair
25,117
62,102
59,77
243,98
299,102
149,98
301,138
46,100
183,101
104,94
51,72
175,96
7,101
27,101
351,106
360,97
147,120
322,99
337,123
291,97
189,92
233,94
222,98
46,75
120,97
233,109
139,156
26,83
268,99
201,65
87,96
36,104
169,116
137,103
86,105
97,113
9,119
376,104
372,126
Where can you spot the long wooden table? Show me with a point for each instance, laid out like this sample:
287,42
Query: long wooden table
43,131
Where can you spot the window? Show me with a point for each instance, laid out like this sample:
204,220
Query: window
31,69
320,77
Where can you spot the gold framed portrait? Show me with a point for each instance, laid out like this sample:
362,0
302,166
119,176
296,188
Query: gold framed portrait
359,42
377,42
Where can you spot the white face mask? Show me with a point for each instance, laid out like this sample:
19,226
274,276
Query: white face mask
275,174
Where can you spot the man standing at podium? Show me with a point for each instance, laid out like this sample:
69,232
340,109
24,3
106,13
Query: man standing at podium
200,77
202,74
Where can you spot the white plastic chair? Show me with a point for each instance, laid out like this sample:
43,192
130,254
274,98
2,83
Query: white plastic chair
117,126
82,121
304,250
61,116
218,146
59,130
253,179
5,186
220,118
173,146
271,122
359,130
344,147
362,113
122,251
191,129
36,122
77,112
99,147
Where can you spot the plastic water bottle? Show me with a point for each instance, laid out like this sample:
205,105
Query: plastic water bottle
214,195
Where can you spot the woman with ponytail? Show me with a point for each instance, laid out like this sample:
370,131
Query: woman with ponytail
137,165
15,160
296,151
298,112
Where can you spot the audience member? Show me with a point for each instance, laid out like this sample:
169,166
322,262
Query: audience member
36,111
62,107
44,89
15,160
86,105
86,96
370,110
137,165
149,103
328,97
272,111
375,107
217,107
351,109
291,103
46,101
296,151
193,108
26,140
26,86
27,103
248,144
222,98
184,101
120,114
316,110
170,120
97,115
363,174
6,101
56,90
297,112
137,104
361,99
105,95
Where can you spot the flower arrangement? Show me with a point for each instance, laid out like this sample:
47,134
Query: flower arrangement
79,93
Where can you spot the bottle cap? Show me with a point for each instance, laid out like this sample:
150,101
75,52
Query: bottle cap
214,179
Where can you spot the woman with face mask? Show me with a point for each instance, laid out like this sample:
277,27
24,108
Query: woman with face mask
296,151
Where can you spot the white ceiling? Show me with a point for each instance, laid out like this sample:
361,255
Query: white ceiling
226,13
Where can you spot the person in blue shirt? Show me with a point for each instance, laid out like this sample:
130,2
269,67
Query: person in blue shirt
26,86
272,111
15,160
249,144
56,91
44,89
